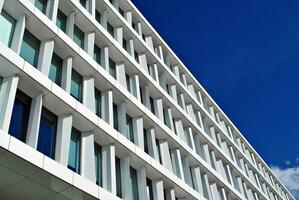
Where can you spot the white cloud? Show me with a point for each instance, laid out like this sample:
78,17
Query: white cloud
289,177
287,162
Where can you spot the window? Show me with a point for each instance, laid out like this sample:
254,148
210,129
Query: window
128,82
56,69
158,149
76,85
145,141
152,105
115,116
61,20
47,133
74,151
125,44
78,37
110,29
7,28
112,71
133,177
30,48
98,16
130,133
121,12
136,56
98,163
41,5
118,177
20,116
83,3
97,54
97,94
149,189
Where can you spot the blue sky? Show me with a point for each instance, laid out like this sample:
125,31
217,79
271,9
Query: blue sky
246,55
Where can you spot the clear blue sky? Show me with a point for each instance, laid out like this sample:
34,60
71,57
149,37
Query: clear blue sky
246,55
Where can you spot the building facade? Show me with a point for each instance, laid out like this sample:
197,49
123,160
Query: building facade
95,105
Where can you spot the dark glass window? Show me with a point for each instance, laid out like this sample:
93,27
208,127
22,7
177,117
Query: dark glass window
41,5
125,44
133,177
76,85
112,71
98,16
56,69
20,116
145,141
75,151
98,102
97,54
30,48
121,12
47,133
158,148
61,20
98,163
149,189
136,56
8,24
115,116
152,105
130,133
128,82
78,37
118,177
83,3
110,29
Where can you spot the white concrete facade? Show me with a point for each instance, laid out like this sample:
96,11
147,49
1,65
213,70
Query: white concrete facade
148,112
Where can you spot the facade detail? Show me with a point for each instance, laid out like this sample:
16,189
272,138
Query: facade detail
95,105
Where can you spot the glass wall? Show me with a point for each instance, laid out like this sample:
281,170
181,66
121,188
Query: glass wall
30,48
76,85
20,116
47,133
56,69
8,24
75,151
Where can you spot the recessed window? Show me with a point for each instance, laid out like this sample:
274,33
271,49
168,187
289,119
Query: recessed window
20,116
130,132
30,48
145,141
75,151
47,133
115,116
134,184
76,85
125,44
41,5
158,148
149,189
61,20
118,177
136,56
8,24
83,3
98,163
78,37
128,82
98,102
97,54
152,105
56,69
121,12
112,71
110,29
98,16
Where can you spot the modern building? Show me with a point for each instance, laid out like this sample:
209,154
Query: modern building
95,105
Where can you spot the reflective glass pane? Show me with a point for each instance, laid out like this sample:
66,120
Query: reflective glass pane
98,102
7,28
98,163
130,133
112,71
115,116
47,133
97,54
133,177
61,20
20,116
78,37
74,151
55,69
30,48
41,5
76,85
149,189
118,177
